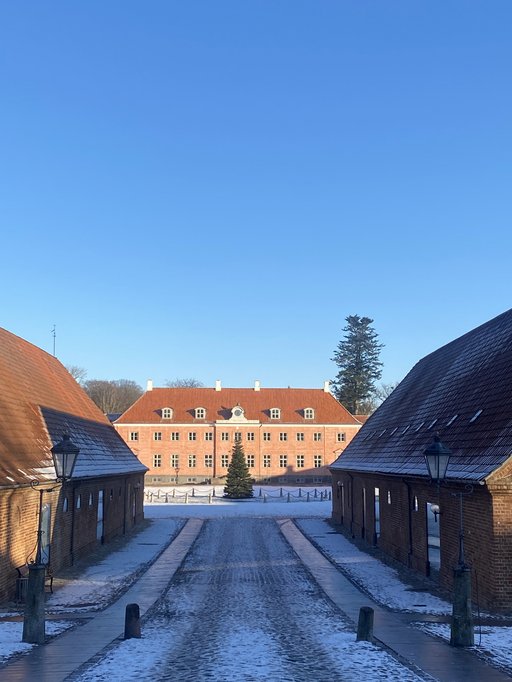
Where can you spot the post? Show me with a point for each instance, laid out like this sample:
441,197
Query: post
132,621
462,631
365,624
288,497
307,497
33,621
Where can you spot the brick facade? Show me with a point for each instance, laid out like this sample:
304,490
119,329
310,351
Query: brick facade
73,522
298,446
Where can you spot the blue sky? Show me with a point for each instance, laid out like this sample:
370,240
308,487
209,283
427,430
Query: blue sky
208,188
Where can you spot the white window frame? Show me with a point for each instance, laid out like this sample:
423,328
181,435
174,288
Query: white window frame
309,413
275,413
200,413
166,412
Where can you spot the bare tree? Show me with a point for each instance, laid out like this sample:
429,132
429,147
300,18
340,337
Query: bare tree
184,383
78,373
113,396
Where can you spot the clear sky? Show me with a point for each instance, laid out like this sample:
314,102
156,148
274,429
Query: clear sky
207,188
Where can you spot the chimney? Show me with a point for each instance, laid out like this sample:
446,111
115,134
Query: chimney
218,387
149,385
326,386
256,385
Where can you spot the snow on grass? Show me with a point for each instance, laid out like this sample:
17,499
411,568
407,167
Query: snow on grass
379,580
493,645
11,634
99,584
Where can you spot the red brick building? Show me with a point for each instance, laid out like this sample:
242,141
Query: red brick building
185,435
39,402
381,489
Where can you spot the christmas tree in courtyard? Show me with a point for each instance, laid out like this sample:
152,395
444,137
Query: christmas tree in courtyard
238,481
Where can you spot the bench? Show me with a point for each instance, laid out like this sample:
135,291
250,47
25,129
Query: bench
22,581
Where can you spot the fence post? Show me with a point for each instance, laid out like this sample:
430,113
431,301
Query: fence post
264,498
260,493
210,498
193,492
174,492
307,498
300,492
213,491
288,497
186,498
281,493
316,493
330,495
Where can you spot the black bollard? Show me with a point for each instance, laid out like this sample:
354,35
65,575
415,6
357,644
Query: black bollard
132,622
365,624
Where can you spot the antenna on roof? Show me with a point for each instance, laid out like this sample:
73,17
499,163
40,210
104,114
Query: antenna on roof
54,334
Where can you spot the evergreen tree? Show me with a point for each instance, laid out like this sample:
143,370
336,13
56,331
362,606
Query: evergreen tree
357,357
238,481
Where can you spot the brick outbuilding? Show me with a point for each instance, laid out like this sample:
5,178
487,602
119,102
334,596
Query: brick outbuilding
381,489
39,402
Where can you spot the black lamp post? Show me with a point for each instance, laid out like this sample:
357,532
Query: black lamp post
64,456
437,457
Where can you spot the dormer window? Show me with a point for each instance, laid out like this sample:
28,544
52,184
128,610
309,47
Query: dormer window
166,413
200,413
309,413
275,413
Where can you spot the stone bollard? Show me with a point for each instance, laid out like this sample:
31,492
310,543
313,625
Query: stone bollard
260,493
316,493
300,492
210,498
281,493
264,498
288,498
193,492
132,622
307,497
186,498
365,624
213,492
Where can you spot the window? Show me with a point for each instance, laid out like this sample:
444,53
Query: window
134,435
175,461
238,437
266,461
166,413
389,496
65,505
175,435
415,504
341,437
275,413
192,435
191,461
157,435
283,460
208,460
317,436
157,461
200,413
300,461
79,501
266,435
250,435
208,435
283,436
224,435
224,461
91,499
309,413
250,461
300,436
317,461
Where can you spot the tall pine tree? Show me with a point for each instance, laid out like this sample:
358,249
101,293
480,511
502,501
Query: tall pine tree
238,480
357,357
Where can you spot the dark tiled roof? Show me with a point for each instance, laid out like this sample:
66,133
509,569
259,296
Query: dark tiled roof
463,391
102,450
256,404
30,379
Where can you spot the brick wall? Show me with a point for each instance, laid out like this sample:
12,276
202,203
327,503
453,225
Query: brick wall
73,517
487,522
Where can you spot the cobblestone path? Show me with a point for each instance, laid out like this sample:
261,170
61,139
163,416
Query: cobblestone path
243,608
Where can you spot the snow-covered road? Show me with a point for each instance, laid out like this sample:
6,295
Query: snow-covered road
243,608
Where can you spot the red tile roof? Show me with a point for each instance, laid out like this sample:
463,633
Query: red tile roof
256,404
30,381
